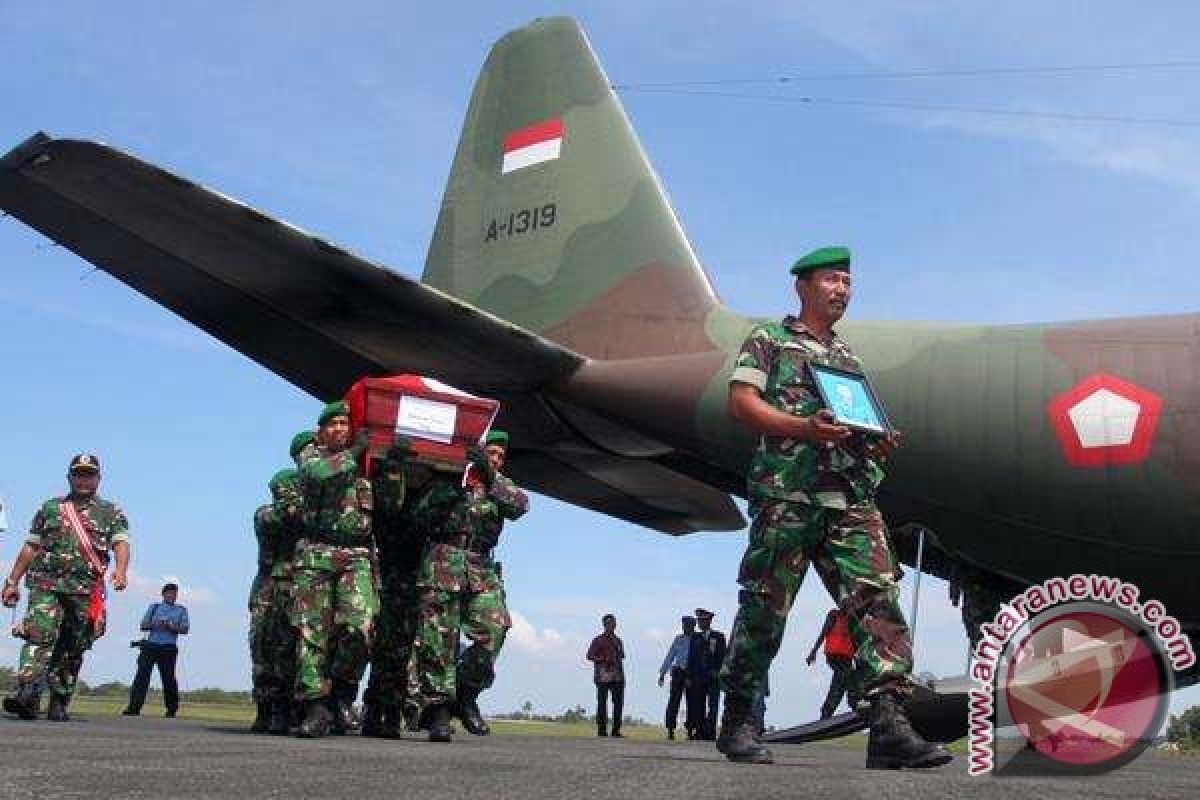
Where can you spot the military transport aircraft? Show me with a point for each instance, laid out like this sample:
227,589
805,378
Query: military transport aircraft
560,281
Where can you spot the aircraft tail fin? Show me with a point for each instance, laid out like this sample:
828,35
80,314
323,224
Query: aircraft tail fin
553,217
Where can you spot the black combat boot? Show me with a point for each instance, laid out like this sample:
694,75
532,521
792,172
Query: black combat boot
262,717
57,710
280,719
893,744
739,735
316,719
467,709
25,701
414,717
372,720
393,722
341,706
439,724
295,717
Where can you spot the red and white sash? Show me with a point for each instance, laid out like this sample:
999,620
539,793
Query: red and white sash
83,539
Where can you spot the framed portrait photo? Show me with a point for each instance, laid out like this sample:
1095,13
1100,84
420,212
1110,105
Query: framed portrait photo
851,398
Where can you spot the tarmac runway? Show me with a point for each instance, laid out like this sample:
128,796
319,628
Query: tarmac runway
115,757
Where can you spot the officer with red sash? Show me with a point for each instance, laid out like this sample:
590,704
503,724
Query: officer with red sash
64,561
839,654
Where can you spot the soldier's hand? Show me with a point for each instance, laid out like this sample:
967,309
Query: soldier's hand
477,457
12,595
822,427
399,451
119,581
881,449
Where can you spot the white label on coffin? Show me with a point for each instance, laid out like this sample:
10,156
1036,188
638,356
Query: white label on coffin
426,419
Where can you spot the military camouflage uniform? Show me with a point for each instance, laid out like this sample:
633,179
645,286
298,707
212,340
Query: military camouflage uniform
978,601
399,557
811,502
272,635
266,528
459,584
56,628
335,591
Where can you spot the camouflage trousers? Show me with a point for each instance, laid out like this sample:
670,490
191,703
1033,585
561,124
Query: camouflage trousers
979,604
334,605
272,640
445,615
853,557
57,634
391,651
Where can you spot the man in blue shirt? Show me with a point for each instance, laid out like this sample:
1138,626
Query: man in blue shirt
676,663
164,622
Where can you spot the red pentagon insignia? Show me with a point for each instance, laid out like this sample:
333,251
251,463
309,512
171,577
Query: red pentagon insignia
1105,420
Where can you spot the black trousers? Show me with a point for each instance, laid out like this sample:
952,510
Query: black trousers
703,699
618,705
679,692
155,655
839,684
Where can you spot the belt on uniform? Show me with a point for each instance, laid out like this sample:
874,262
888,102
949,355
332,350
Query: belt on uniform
337,540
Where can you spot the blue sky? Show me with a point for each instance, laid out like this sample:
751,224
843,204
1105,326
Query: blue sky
344,123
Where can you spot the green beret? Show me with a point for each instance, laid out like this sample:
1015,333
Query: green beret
282,477
836,257
338,409
300,441
496,437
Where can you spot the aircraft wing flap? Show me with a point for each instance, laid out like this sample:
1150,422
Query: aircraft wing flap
634,490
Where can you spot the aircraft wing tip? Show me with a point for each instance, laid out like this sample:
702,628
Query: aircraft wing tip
26,151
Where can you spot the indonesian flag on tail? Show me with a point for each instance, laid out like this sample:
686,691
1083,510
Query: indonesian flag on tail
533,144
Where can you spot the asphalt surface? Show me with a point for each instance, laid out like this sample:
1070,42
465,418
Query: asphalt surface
149,757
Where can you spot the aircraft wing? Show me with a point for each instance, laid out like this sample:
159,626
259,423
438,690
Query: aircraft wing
309,311
321,317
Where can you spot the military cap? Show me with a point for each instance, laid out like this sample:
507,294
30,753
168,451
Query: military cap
336,409
170,587
703,613
496,437
283,476
300,441
836,257
84,462
688,619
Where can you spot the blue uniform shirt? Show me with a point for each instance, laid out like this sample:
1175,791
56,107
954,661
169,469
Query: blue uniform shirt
174,615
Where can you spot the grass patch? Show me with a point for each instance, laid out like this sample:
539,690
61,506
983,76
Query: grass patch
111,706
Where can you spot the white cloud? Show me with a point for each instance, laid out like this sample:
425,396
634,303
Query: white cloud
546,642
1161,154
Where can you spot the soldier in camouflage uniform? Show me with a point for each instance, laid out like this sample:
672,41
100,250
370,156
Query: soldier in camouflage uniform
63,568
266,530
977,599
399,557
460,587
272,638
335,598
811,489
